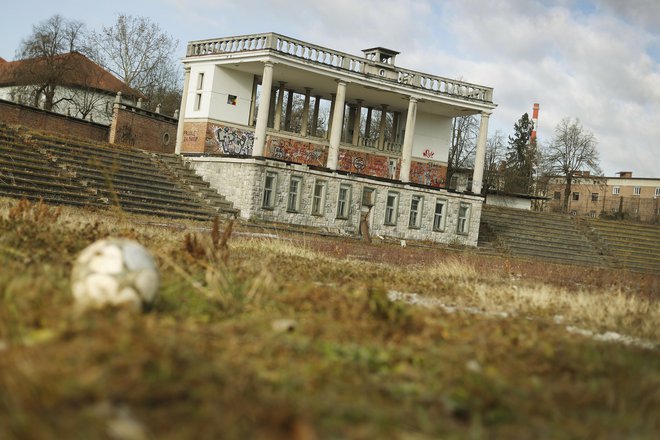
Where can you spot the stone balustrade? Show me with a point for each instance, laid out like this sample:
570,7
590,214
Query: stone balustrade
339,60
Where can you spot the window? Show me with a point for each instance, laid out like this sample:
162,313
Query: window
616,190
391,168
293,202
269,190
439,215
391,208
592,214
231,99
576,196
344,201
416,205
368,196
463,218
574,213
594,197
657,192
557,195
318,198
637,190
198,101
200,80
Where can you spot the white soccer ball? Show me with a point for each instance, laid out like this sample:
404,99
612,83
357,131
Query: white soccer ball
114,272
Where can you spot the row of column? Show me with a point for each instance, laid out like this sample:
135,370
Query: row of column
335,125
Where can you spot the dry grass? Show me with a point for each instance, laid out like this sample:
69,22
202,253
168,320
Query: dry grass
211,361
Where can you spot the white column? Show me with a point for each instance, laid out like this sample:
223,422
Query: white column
333,98
262,115
480,158
182,111
356,122
277,121
305,115
337,119
406,153
383,126
315,114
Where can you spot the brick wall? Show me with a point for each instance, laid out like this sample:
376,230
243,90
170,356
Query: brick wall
17,114
134,127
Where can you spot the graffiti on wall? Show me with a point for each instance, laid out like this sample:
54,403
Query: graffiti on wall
363,163
297,151
428,154
428,174
229,140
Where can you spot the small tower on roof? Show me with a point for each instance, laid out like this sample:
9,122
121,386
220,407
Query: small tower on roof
381,62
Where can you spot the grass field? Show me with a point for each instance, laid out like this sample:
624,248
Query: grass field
308,337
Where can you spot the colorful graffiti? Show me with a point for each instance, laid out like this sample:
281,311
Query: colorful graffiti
363,163
229,140
428,174
297,151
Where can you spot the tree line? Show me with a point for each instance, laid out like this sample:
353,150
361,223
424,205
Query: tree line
134,49
519,164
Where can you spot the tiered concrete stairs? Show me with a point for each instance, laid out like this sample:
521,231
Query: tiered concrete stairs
546,236
63,171
635,246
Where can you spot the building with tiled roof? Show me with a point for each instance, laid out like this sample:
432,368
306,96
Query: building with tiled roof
83,88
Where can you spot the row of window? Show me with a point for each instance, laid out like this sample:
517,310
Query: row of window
637,190
344,203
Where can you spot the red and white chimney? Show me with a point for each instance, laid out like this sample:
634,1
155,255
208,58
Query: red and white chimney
535,120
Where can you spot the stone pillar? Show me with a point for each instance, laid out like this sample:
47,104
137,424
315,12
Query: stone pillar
383,126
333,99
337,119
480,157
115,114
277,122
182,111
262,115
367,123
305,115
356,122
406,153
289,109
271,107
315,114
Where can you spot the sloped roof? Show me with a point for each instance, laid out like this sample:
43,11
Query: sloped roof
80,72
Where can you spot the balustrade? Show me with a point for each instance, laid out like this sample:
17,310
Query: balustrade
340,60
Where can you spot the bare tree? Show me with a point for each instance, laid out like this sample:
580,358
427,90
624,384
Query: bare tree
495,161
465,130
572,149
44,68
141,54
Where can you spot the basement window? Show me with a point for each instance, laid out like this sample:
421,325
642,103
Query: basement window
439,215
293,202
463,219
270,185
415,218
343,201
392,208
318,198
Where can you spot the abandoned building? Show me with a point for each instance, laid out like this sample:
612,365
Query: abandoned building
369,144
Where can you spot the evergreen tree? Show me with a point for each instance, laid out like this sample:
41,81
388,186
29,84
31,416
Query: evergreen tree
521,157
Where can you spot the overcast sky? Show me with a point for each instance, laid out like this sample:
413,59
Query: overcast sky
597,60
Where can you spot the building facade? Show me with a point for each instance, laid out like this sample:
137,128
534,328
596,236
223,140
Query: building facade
298,133
624,196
